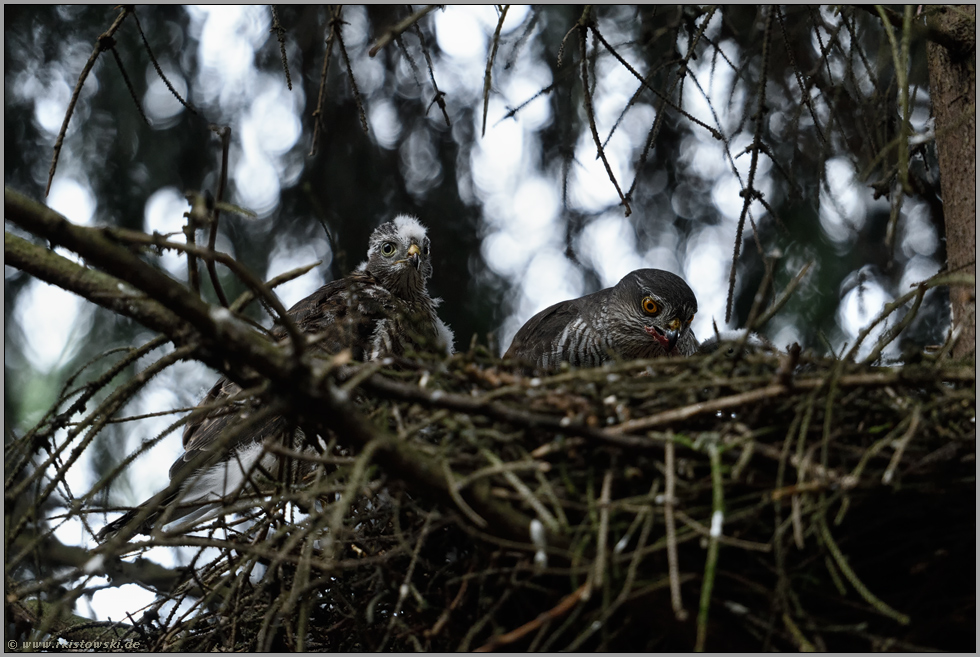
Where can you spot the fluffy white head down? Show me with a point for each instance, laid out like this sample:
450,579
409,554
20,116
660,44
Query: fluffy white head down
409,228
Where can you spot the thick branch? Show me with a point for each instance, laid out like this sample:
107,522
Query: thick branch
224,337
102,289
141,571
953,89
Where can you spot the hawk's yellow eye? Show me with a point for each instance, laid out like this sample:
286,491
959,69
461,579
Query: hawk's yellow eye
690,319
388,249
649,306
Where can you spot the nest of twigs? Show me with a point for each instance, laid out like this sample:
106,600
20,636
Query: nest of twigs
748,503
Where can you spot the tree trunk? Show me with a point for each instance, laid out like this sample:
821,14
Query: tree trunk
953,86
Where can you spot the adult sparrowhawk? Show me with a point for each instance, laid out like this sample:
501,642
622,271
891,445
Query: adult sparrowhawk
646,315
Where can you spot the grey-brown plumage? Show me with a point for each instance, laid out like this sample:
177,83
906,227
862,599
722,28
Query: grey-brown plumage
382,309
646,315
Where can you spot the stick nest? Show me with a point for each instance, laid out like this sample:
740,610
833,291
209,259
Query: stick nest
749,503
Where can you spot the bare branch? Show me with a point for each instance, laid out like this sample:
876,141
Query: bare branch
395,30
281,36
350,75
100,45
156,66
583,26
486,77
749,193
224,132
318,112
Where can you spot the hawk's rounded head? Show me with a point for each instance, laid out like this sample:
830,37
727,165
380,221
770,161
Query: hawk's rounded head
655,310
398,256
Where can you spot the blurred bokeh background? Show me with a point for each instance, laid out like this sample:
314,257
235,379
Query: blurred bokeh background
521,216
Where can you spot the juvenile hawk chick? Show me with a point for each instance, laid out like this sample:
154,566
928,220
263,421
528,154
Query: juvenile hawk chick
383,308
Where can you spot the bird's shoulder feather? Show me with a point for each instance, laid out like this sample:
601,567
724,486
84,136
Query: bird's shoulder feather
538,332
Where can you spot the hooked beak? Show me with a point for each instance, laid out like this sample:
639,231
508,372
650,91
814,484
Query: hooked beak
413,256
667,339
